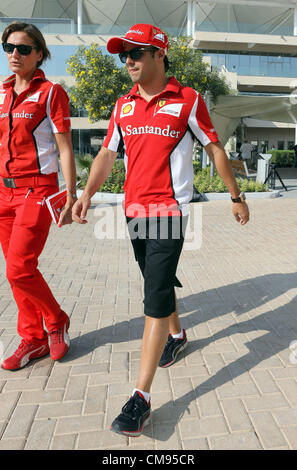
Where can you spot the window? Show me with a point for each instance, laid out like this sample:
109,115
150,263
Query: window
291,144
263,146
280,145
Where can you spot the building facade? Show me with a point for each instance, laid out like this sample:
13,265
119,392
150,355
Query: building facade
252,42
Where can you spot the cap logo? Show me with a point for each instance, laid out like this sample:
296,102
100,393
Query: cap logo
160,37
135,31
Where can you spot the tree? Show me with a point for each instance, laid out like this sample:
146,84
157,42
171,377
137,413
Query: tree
100,82
187,65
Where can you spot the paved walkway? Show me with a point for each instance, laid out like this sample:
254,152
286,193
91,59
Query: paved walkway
289,178
233,388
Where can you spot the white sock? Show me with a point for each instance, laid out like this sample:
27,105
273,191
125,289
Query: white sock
179,335
145,395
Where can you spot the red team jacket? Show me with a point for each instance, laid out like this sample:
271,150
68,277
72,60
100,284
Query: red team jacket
158,138
27,125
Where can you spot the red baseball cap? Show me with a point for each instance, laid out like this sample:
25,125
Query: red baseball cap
142,35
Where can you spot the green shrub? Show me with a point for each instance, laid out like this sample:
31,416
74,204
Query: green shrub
204,183
113,184
196,166
282,158
83,165
116,179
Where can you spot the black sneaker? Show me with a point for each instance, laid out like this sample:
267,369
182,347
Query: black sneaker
134,416
171,350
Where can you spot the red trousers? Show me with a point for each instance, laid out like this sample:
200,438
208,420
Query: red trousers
24,226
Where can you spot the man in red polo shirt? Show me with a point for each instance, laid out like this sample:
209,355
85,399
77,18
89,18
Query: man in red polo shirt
157,122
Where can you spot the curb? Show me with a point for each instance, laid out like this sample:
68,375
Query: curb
226,196
118,198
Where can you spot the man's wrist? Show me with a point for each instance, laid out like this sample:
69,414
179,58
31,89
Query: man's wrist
72,195
238,199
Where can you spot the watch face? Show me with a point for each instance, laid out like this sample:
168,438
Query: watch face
240,198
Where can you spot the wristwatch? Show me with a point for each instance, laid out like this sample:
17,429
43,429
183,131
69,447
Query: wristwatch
73,195
240,198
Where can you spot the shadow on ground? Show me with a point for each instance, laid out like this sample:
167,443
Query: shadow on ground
279,328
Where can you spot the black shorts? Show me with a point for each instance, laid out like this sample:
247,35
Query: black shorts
157,244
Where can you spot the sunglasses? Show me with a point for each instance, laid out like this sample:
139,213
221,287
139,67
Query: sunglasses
22,49
135,54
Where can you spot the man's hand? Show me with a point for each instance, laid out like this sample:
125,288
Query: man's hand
65,216
241,212
80,209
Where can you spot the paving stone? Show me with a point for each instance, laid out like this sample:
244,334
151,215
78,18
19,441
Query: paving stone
41,396
79,424
95,400
59,377
203,427
171,412
172,443
290,433
284,372
42,367
64,442
119,361
76,388
36,383
101,440
161,398
40,434
108,378
288,388
235,441
266,402
236,415
209,404
231,391
195,444
89,369
55,410
267,430
285,417
265,381
7,403
20,422
12,444
188,371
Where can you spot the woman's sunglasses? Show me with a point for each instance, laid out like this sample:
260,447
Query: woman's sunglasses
22,49
135,54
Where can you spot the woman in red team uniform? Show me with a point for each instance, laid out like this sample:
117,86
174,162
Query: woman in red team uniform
34,129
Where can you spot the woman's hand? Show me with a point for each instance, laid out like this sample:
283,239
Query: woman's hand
66,214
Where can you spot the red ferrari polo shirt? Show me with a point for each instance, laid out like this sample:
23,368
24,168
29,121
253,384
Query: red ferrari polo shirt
28,124
158,138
